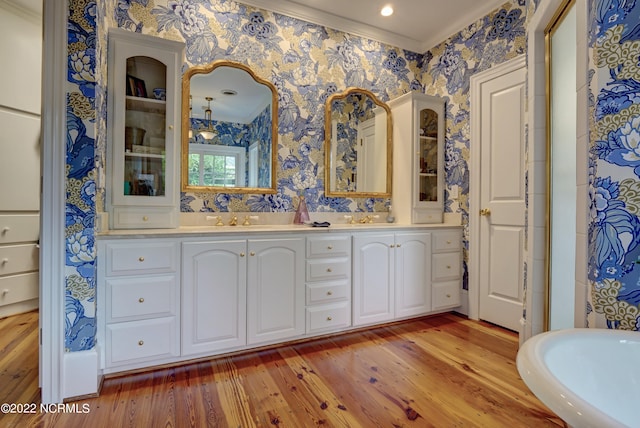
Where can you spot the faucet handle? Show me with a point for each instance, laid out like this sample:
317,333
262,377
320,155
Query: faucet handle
233,221
217,218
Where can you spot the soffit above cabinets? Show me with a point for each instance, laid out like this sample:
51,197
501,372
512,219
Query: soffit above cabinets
416,25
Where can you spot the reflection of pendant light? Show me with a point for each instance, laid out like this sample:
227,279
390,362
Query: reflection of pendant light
208,133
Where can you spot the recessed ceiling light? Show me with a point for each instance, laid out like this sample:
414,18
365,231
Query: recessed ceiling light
386,11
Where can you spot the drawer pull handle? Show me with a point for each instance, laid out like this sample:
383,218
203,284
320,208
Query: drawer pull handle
140,259
329,293
398,245
145,218
171,127
241,254
141,300
330,247
448,266
392,246
329,270
140,342
5,230
329,318
5,261
448,242
448,296
252,253
5,292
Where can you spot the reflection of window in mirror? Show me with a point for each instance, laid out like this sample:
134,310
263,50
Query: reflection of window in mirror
213,165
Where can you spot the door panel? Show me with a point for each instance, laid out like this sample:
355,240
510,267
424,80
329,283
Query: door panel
502,199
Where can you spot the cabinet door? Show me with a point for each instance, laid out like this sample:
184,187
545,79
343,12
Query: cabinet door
428,185
276,289
373,277
144,135
412,274
214,296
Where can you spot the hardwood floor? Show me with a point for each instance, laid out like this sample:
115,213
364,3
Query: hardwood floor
439,371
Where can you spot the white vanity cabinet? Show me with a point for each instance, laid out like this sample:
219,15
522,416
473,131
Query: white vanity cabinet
328,283
214,296
446,275
143,145
138,303
391,276
180,295
275,289
418,158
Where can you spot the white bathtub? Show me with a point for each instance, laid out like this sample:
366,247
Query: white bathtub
588,377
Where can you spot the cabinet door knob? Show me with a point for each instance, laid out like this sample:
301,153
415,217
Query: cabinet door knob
329,270
140,259
330,247
145,218
392,246
252,253
241,254
140,342
448,296
448,242
171,127
398,245
329,318
448,266
329,293
141,300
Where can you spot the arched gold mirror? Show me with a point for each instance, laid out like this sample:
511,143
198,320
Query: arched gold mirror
358,145
229,130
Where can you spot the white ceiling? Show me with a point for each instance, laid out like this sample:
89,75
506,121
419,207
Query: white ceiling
416,25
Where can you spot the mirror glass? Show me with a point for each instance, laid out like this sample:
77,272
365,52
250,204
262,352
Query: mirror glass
229,130
358,145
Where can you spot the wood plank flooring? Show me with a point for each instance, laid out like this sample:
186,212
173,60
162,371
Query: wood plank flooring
439,371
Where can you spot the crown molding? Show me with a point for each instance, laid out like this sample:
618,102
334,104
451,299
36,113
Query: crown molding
22,9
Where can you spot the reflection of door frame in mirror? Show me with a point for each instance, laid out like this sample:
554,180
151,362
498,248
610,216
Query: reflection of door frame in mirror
186,88
330,148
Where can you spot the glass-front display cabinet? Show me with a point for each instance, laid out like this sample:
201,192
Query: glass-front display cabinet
144,130
419,143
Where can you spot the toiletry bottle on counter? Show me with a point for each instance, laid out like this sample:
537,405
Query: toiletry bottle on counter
302,213
390,217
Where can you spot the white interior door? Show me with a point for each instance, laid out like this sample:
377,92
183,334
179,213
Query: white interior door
365,150
502,198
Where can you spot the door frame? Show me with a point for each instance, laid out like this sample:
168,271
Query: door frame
53,202
474,177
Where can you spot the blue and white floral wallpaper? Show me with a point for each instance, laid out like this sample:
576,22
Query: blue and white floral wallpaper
614,165
306,62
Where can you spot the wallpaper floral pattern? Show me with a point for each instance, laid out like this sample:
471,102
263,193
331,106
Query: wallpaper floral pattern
614,165
306,62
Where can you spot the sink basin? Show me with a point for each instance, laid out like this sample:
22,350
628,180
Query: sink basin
588,377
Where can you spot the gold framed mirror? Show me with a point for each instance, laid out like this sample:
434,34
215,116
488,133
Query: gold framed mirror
358,145
229,130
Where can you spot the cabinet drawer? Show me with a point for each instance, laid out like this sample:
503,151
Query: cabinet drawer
19,228
18,288
446,241
141,297
137,258
328,292
337,315
329,246
144,218
18,258
138,340
446,294
445,266
321,270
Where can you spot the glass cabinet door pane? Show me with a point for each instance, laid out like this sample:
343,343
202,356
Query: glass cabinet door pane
144,133
428,156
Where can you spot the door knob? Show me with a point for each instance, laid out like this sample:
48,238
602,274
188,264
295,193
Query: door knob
485,212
